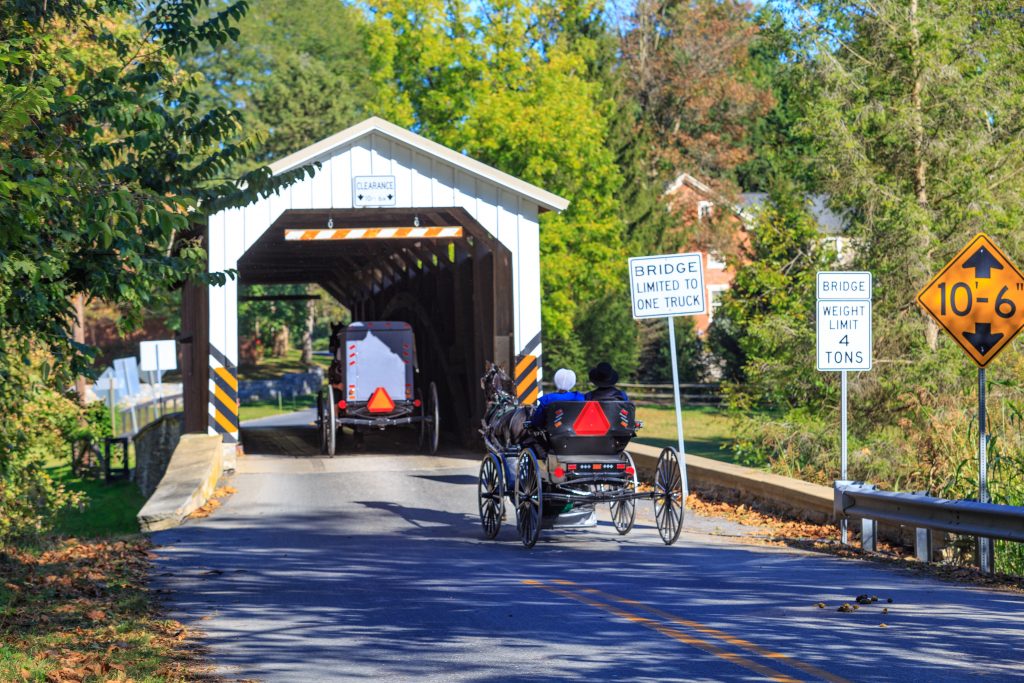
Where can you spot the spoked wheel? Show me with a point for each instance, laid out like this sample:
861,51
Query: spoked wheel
331,440
491,492
321,420
624,511
433,419
421,439
668,496
529,499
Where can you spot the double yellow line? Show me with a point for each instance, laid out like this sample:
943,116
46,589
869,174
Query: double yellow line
666,624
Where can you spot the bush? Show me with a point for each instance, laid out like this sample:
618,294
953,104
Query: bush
36,424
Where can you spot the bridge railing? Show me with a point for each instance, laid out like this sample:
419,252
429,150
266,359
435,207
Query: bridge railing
925,513
134,417
661,394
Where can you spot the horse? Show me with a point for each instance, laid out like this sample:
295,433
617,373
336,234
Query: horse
505,423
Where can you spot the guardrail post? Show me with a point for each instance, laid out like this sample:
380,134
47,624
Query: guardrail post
923,544
868,535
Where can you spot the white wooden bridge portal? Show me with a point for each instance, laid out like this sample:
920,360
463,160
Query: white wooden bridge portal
395,227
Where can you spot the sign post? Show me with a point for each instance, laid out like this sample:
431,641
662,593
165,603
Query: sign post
665,287
844,339
978,298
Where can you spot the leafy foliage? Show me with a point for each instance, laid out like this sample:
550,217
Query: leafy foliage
107,160
297,75
508,83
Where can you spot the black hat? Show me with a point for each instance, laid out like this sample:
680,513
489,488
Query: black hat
603,375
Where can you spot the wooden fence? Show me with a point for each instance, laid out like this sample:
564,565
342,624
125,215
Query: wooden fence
661,394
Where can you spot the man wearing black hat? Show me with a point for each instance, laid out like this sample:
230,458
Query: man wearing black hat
604,378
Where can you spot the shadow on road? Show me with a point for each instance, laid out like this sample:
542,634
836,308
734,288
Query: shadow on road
321,595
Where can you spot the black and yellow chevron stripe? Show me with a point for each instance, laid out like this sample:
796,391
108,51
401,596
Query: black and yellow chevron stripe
527,386
223,418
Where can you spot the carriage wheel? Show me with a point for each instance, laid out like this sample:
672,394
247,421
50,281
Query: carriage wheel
421,439
624,511
491,492
668,496
529,499
321,421
433,419
331,433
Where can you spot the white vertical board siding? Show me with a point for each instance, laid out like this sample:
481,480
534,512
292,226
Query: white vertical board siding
341,179
401,168
465,192
321,185
442,184
422,181
362,156
487,206
380,155
528,284
508,234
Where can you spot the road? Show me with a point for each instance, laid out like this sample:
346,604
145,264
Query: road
373,567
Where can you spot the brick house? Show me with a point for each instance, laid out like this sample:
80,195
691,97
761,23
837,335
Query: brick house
696,201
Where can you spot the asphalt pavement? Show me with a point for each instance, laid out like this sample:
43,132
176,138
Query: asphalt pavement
372,566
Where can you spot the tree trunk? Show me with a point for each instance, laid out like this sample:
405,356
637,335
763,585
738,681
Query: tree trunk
307,335
78,334
281,342
921,163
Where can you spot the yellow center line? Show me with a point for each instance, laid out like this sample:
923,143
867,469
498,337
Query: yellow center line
715,633
675,634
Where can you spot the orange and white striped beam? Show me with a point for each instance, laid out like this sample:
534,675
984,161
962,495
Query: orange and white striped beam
372,233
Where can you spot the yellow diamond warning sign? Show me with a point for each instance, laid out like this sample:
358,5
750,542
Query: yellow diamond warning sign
979,298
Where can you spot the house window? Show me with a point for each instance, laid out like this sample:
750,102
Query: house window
715,261
715,293
704,210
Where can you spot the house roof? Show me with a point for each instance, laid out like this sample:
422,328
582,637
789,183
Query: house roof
830,222
547,201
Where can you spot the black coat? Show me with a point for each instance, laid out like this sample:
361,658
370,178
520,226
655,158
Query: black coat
607,394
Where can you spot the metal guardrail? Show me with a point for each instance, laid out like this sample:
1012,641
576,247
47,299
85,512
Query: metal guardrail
926,513
966,517
661,394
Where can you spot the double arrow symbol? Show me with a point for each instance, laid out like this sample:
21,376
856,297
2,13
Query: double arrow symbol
983,263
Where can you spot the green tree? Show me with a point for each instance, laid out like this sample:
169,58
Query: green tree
298,75
764,328
516,84
107,162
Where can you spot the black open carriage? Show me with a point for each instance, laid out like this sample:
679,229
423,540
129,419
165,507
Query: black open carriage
371,384
579,460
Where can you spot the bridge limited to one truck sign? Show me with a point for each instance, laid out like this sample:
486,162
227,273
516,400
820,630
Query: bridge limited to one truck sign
978,297
669,285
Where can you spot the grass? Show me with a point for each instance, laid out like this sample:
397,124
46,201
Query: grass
707,430
75,605
272,368
254,410
110,509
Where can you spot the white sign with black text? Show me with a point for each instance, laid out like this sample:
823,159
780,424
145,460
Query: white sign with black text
373,190
665,286
844,321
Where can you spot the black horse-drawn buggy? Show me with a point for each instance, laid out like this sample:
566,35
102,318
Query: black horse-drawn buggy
555,476
371,384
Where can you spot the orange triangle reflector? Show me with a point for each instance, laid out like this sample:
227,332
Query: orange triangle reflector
591,421
380,402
